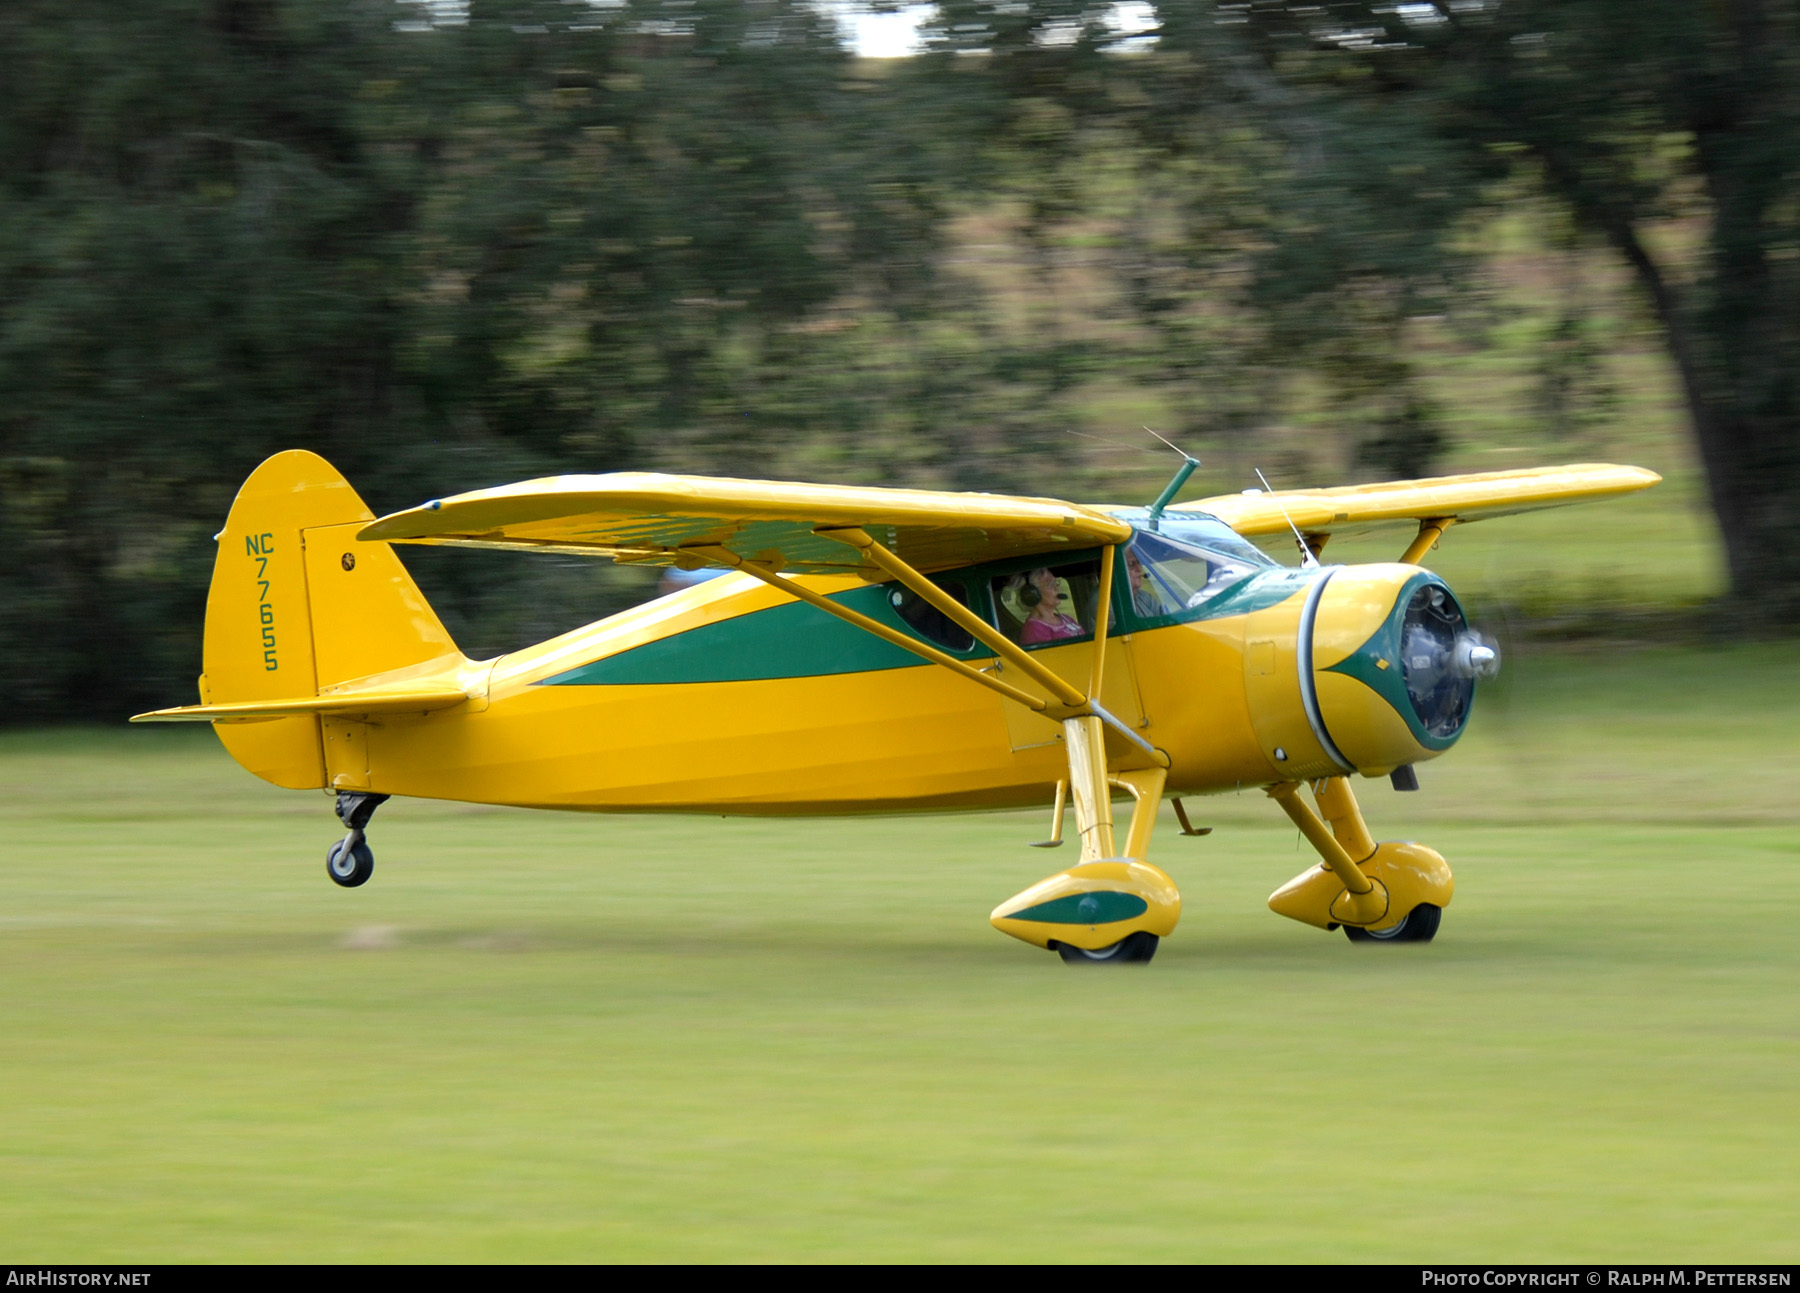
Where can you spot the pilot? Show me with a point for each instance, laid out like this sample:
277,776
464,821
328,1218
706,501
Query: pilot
1046,622
1146,597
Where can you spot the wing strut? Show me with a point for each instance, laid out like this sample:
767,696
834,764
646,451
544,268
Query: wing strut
729,558
983,632
1083,718
1430,531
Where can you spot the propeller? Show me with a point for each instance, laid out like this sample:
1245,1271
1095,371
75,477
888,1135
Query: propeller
1500,627
1475,655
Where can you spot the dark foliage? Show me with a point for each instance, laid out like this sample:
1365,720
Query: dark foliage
546,237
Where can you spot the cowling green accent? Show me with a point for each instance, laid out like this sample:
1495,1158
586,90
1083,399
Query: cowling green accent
1101,907
1390,683
793,640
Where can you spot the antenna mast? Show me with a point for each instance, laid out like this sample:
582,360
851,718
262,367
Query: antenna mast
1307,560
1188,464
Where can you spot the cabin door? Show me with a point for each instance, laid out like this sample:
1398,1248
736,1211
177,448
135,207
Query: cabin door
1119,690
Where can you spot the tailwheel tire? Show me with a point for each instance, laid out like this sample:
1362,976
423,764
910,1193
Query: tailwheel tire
1133,949
349,867
1420,925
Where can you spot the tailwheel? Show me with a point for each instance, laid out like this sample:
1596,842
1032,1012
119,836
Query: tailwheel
349,862
1420,925
1133,949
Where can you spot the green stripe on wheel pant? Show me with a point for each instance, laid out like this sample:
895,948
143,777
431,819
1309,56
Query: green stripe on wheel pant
1101,907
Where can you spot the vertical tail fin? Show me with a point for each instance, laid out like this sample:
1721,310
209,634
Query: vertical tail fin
299,606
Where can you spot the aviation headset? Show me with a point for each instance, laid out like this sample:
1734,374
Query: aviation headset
1030,596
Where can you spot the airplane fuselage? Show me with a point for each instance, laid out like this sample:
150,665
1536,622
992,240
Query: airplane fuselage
731,698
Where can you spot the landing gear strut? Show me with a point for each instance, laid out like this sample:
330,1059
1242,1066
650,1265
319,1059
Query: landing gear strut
1378,893
350,861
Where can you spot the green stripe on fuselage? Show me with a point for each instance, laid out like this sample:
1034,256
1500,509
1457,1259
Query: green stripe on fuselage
795,640
790,641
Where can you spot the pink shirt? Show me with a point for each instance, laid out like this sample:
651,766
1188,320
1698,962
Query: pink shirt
1037,631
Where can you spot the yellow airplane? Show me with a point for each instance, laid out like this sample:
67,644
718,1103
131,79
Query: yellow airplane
881,651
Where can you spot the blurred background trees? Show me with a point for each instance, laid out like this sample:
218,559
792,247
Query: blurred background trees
450,245
1628,112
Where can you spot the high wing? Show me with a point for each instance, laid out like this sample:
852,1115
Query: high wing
1461,499
653,519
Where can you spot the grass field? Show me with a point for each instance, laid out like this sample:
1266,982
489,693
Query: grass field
541,1037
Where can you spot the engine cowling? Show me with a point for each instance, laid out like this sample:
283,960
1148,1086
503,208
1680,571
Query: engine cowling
1371,668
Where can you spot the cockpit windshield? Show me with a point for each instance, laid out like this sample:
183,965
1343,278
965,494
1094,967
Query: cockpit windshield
1185,563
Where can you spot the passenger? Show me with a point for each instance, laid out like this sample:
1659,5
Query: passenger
1040,592
1146,597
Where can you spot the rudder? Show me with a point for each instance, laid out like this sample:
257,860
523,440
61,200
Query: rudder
298,606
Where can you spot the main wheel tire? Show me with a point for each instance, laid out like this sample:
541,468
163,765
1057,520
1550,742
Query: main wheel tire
349,867
1420,925
1133,949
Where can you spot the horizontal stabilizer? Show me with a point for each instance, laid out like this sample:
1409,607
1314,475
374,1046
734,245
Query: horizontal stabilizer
379,701
1457,498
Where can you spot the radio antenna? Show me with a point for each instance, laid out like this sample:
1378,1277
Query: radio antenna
1308,560
1117,444
1177,448
1188,464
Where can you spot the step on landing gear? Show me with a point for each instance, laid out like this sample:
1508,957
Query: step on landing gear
350,862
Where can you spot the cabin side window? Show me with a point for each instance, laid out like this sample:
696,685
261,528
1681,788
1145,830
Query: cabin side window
1048,603
928,621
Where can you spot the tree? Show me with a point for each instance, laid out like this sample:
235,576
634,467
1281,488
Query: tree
1376,125
1630,110
546,237
1267,227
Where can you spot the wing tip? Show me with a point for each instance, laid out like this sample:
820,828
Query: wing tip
1482,494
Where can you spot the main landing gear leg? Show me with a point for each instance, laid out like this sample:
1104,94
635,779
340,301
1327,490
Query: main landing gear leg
350,861
1384,893
1113,907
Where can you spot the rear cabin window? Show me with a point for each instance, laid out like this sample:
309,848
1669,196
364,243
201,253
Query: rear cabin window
928,621
1048,603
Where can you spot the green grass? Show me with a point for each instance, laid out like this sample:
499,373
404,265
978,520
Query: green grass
542,1037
